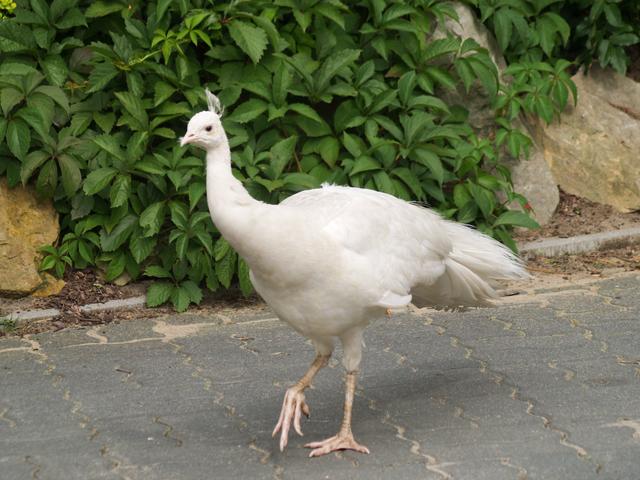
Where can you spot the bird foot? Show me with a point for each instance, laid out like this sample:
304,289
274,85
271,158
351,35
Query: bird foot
293,407
341,441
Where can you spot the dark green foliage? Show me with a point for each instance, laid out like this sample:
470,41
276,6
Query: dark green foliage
580,30
94,95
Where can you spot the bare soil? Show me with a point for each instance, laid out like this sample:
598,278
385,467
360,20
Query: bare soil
579,216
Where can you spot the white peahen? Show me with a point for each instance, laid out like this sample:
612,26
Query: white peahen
330,260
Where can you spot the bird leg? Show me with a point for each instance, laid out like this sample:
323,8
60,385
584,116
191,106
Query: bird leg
294,405
344,439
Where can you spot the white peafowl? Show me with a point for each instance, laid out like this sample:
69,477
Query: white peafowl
330,260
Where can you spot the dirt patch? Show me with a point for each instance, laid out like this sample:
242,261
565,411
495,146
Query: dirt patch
593,263
579,216
85,286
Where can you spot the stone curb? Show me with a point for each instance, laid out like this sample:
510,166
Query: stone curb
554,247
550,247
121,304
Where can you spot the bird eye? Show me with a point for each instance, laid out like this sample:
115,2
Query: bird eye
208,128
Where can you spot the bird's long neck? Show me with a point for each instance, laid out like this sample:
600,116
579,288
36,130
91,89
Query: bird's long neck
232,209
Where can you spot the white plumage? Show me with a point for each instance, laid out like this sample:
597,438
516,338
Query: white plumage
330,260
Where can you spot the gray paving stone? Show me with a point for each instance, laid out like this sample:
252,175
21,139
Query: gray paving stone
540,390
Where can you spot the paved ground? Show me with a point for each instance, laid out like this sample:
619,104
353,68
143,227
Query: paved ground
545,387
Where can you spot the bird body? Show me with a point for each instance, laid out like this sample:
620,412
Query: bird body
330,260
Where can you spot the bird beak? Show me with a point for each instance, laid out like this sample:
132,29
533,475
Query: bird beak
188,138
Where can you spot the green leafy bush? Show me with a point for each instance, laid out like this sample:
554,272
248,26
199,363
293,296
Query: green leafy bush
604,31
6,7
94,95
580,30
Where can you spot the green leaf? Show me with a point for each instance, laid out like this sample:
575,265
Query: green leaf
141,247
55,69
56,94
248,110
329,149
9,98
98,180
221,248
72,18
281,154
133,105
353,144
116,267
159,293
180,299
301,179
102,9
384,183
109,144
157,271
488,75
152,218
468,213
364,163
461,195
243,277
193,291
405,86
32,162
161,9
516,218
18,138
332,65
430,160
196,191
71,175
120,190
113,240
306,111
252,40
33,117
47,179
101,75
105,121
331,12
410,180
503,26
225,268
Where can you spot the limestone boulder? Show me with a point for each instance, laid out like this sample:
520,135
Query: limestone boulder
531,176
594,151
26,224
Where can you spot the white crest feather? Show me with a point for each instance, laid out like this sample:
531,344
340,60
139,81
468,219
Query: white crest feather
214,103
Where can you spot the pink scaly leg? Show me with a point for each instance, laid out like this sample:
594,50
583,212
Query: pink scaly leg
344,439
294,405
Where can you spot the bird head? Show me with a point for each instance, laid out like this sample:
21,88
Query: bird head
205,128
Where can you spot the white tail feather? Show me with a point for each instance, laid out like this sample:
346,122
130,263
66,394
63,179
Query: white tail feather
472,266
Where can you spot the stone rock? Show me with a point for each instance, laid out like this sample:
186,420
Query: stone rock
531,177
594,150
26,224
50,286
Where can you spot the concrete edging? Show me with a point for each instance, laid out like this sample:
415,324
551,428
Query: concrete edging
550,247
120,304
554,247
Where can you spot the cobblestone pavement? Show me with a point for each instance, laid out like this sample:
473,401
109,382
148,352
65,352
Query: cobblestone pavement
544,387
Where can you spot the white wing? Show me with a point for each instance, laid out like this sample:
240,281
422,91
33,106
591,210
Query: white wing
409,250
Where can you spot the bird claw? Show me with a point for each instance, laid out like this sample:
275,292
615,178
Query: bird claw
293,406
341,441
